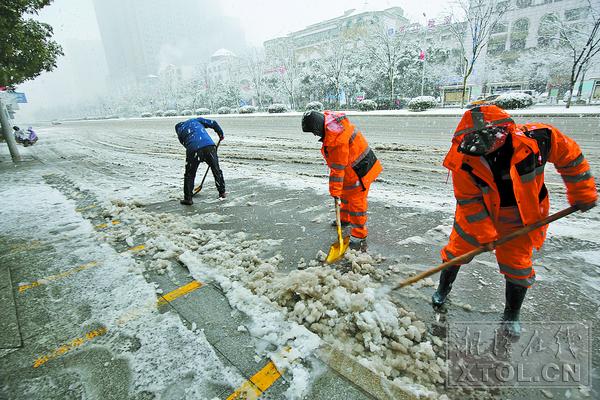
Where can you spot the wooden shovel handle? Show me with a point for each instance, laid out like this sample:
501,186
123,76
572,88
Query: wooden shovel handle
482,249
338,221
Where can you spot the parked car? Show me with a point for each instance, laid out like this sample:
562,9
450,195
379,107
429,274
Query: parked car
483,100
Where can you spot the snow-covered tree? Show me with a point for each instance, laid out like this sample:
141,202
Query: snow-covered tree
255,65
385,48
288,73
480,19
310,84
226,94
581,41
537,66
332,65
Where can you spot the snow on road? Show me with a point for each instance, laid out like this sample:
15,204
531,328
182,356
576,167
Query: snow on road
341,308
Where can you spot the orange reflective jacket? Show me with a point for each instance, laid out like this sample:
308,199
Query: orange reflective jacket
477,196
348,155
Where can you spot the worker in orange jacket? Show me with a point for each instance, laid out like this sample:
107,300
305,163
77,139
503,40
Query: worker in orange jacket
352,165
497,170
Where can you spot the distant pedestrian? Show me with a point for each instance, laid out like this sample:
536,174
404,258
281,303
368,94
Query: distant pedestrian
352,168
26,138
20,135
498,175
199,147
31,137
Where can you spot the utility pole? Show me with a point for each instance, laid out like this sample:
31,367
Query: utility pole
424,45
7,133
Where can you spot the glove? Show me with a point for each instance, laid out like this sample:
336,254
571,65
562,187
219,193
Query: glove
488,246
586,206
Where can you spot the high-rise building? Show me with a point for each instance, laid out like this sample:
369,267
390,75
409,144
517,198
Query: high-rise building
141,37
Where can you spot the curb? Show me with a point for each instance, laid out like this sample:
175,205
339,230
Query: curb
375,385
296,114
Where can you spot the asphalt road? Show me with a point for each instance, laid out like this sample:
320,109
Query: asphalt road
119,155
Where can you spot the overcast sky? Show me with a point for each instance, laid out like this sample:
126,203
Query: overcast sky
260,19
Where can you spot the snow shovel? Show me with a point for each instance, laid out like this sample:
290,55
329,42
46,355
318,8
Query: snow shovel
337,250
199,188
491,246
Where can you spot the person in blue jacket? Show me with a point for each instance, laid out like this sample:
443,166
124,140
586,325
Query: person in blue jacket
199,147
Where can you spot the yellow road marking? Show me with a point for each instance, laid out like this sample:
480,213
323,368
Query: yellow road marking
185,289
65,348
105,225
258,384
137,248
57,276
136,313
85,208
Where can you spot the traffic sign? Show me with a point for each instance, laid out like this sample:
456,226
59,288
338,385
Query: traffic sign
20,97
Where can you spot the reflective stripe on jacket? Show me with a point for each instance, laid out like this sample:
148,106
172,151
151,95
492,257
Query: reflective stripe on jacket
347,154
477,197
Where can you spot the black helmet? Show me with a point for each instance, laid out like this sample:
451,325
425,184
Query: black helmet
16,128
314,121
483,141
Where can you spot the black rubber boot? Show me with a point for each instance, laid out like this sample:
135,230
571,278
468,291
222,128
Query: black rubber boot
358,244
188,189
342,223
447,277
515,294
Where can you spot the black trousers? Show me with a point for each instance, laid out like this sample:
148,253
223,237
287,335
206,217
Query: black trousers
192,161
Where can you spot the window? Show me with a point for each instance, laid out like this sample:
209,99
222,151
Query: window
502,5
548,30
596,92
496,45
518,34
524,3
500,27
521,25
517,43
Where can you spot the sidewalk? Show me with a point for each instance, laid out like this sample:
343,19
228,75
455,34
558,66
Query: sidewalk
81,320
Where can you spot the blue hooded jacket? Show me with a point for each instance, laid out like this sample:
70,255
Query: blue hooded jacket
192,133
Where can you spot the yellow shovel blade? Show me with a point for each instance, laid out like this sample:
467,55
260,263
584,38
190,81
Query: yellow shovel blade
336,252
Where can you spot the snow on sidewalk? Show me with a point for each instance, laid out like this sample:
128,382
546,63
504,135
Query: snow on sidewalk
118,297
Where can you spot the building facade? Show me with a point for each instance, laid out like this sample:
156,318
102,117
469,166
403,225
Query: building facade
308,43
530,26
142,37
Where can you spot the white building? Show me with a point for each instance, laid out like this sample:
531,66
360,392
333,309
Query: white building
307,44
534,24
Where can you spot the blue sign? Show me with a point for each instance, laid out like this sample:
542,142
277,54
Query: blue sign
20,97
